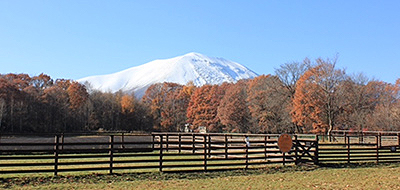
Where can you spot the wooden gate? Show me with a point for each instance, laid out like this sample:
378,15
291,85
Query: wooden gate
306,151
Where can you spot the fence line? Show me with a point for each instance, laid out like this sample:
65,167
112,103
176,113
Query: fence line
356,148
160,151
167,152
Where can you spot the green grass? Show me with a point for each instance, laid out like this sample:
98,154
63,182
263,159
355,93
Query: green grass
273,177
138,156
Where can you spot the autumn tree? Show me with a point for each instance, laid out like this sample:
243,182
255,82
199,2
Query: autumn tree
268,103
203,107
289,74
317,101
159,99
359,102
386,115
233,110
174,111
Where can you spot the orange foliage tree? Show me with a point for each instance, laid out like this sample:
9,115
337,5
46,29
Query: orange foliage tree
233,110
317,101
203,107
159,98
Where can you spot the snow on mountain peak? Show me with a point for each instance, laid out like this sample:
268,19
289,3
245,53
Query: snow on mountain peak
193,66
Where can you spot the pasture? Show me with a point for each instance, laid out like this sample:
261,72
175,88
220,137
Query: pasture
198,161
382,176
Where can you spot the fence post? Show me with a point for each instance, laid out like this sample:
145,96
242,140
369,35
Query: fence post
362,137
265,147
398,139
226,146
296,147
348,149
377,148
193,143
123,141
62,140
180,142
316,154
111,152
161,152
247,152
153,139
205,152
56,147
167,141
209,145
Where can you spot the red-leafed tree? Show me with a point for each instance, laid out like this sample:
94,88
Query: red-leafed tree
233,110
318,98
203,107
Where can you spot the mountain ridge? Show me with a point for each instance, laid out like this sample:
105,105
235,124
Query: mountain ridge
192,66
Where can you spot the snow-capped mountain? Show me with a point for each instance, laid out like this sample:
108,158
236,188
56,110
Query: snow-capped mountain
194,67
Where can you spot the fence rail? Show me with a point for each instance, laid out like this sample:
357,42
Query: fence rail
168,152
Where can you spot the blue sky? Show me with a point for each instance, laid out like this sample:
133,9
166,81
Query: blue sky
75,39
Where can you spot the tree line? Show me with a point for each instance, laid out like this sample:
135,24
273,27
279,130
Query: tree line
301,97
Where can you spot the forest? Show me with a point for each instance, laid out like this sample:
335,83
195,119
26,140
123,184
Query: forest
300,97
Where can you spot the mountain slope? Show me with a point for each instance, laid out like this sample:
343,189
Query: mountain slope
190,67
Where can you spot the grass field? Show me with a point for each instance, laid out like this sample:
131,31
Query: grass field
275,177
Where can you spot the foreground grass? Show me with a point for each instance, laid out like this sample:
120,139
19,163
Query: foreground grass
289,177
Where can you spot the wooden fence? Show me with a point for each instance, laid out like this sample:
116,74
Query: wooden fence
360,147
179,152
164,152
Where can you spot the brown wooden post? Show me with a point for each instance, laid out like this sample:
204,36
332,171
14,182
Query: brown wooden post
193,143
398,139
265,147
226,146
62,140
111,152
180,142
377,148
247,152
316,154
153,139
167,141
161,152
205,152
296,148
56,148
348,149
362,136
209,145
123,141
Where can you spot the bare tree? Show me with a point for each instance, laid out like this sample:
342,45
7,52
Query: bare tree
290,73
